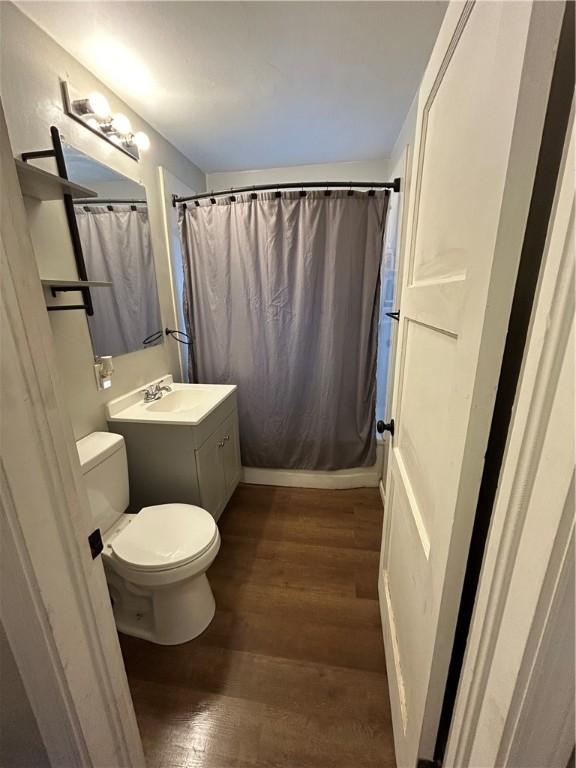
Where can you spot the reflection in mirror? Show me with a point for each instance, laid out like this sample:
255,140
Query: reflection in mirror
115,236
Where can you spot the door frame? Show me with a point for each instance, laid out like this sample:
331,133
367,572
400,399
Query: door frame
552,156
402,171
55,606
169,185
527,574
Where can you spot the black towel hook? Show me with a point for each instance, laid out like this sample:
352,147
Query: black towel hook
180,336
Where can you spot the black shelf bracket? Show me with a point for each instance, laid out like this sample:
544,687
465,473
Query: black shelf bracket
25,156
57,153
68,307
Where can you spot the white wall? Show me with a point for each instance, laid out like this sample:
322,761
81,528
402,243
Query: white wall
31,66
405,137
373,170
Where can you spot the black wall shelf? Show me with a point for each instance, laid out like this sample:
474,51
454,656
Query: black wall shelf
64,286
48,186
41,185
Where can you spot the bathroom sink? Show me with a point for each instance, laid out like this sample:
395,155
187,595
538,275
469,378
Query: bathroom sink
187,404
180,400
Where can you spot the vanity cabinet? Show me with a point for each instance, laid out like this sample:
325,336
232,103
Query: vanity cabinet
171,463
218,465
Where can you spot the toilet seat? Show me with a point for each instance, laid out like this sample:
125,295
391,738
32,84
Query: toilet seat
164,537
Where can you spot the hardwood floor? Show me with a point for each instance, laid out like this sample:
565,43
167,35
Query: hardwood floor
291,673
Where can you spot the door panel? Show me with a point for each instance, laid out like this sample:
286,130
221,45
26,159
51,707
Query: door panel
480,115
420,446
231,453
211,474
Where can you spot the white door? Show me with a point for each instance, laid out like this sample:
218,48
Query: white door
480,115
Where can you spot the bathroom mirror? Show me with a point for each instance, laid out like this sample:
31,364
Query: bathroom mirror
115,237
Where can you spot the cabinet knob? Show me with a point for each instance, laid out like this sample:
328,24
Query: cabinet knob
226,437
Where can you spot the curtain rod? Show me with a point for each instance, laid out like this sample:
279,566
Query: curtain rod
393,185
105,200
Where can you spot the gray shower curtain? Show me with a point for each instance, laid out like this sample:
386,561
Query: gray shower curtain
116,246
281,298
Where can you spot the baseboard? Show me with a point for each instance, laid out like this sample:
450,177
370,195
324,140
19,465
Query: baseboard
359,477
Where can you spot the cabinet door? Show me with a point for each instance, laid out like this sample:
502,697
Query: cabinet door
211,480
231,453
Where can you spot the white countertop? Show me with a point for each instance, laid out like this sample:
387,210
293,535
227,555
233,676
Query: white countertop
186,404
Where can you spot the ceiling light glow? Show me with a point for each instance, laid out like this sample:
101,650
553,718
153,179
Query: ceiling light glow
121,124
99,105
142,141
121,69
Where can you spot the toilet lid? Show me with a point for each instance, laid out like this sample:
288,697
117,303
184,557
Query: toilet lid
165,536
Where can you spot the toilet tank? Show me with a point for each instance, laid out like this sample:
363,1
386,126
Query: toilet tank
105,469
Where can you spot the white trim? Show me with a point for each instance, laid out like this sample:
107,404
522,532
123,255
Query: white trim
528,555
300,478
357,477
170,184
382,492
413,505
395,654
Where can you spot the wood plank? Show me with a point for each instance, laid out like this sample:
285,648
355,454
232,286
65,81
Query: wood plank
313,577
291,671
299,686
300,605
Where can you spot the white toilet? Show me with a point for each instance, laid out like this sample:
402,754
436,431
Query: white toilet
155,561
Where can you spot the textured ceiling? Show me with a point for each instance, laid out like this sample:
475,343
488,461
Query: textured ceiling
238,86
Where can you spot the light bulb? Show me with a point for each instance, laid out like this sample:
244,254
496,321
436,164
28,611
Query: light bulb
142,141
99,105
121,124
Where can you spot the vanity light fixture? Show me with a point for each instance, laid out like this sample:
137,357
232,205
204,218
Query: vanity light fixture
95,114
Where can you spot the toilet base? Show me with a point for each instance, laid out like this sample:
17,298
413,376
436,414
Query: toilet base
166,615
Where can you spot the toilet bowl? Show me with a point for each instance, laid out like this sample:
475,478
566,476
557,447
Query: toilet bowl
155,561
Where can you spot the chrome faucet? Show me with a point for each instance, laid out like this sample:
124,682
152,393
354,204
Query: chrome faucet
155,392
